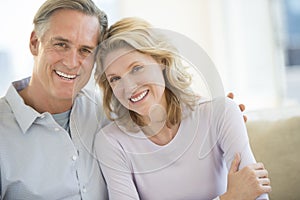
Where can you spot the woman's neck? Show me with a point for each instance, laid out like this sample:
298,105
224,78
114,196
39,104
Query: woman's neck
161,136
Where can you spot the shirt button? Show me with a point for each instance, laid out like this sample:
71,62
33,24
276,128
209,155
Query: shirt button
74,157
84,189
42,116
56,129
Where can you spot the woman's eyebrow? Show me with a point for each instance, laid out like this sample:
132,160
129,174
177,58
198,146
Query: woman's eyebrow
110,75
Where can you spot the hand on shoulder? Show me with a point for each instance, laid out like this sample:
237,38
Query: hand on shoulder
241,106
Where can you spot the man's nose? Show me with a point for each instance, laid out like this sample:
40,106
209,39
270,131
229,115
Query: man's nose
72,59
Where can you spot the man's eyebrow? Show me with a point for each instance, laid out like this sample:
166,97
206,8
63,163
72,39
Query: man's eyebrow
89,47
61,39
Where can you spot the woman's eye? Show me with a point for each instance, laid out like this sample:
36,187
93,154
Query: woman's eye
114,79
137,68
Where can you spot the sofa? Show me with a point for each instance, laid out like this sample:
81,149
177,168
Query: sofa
276,143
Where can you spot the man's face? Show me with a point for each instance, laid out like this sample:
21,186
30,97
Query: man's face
64,54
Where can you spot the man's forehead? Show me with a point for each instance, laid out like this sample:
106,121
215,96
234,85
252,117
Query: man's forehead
74,26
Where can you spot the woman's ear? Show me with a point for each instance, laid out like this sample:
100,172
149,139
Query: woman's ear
34,43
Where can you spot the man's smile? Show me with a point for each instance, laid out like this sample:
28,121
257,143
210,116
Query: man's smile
65,76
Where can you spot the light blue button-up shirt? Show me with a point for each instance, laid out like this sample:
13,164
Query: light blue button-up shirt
39,159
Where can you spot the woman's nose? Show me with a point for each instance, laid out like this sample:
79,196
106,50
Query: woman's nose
129,82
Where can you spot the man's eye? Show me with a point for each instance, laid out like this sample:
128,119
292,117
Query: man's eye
137,68
61,44
86,52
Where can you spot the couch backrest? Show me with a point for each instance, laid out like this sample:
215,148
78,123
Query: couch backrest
277,145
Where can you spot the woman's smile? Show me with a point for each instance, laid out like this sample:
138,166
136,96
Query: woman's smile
139,96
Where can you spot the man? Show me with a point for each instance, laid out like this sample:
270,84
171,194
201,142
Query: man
47,121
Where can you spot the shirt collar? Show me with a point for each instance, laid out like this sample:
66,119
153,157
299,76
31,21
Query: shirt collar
25,115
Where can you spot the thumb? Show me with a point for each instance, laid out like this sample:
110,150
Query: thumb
235,163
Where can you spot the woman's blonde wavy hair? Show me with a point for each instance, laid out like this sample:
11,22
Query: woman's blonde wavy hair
137,34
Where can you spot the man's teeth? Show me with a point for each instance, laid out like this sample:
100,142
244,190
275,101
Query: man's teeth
68,76
138,98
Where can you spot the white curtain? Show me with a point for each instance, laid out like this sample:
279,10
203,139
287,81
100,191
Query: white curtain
240,36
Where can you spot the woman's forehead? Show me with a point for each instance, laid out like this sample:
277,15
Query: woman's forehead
124,56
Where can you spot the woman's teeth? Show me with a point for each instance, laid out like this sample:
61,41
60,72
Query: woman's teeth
140,97
63,75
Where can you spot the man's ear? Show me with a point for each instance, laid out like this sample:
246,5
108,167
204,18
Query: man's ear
34,43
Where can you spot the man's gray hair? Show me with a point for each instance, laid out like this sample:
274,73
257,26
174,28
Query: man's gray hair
87,7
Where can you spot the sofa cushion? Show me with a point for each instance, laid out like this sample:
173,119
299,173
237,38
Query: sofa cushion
277,145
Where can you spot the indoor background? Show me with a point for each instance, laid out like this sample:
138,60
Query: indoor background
255,45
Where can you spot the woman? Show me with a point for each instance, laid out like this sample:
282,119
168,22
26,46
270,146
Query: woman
165,141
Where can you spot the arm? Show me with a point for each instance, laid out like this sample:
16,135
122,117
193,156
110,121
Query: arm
246,178
248,183
115,168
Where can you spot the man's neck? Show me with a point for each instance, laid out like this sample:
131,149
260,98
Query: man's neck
41,103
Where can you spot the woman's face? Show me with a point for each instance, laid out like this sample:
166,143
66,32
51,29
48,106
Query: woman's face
136,80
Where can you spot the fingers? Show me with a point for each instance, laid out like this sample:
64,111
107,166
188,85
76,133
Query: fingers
235,163
256,166
261,173
266,189
257,169
242,107
264,181
230,95
245,118
265,185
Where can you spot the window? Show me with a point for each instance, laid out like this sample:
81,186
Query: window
291,19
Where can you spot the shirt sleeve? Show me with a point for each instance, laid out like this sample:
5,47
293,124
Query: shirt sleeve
233,137
115,168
